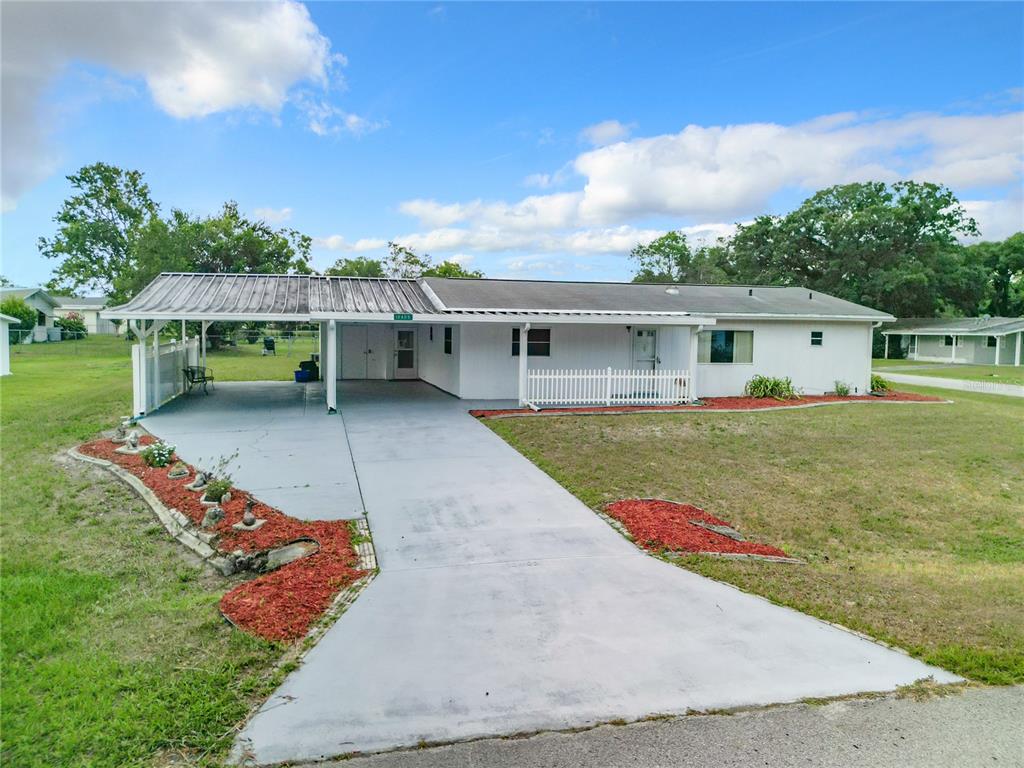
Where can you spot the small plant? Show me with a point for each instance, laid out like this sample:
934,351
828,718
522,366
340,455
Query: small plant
842,388
770,386
216,489
72,325
157,454
878,384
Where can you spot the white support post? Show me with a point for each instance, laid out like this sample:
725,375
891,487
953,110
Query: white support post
156,366
608,387
691,385
138,327
952,357
915,346
885,355
1016,357
524,338
997,350
332,366
202,342
323,349
184,338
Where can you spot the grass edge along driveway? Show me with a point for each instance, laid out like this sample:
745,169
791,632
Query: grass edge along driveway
909,515
114,652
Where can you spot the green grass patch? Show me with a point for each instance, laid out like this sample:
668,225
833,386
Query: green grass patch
114,652
1000,374
909,515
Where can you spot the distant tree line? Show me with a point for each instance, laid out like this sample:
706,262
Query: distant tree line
893,247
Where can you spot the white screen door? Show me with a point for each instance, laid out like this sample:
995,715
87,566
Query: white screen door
405,353
645,349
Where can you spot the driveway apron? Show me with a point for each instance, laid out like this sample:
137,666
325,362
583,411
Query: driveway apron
505,605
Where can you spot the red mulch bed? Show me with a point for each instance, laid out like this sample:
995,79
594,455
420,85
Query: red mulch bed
657,525
281,605
718,404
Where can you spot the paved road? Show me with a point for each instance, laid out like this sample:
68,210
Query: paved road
962,385
504,605
980,727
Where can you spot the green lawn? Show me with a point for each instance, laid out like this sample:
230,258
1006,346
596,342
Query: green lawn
911,517
1004,374
114,652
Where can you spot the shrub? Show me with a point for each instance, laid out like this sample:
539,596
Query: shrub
157,454
878,384
769,386
72,325
216,489
15,307
842,388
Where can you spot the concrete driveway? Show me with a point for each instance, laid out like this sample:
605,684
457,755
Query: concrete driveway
506,605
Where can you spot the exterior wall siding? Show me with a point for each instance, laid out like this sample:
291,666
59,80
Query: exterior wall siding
435,367
488,370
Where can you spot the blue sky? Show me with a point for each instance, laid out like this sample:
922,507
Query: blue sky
531,140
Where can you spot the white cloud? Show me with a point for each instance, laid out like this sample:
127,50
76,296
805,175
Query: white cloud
339,243
605,132
196,59
327,119
997,219
273,215
462,258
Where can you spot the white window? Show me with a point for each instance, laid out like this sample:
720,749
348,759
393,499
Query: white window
725,347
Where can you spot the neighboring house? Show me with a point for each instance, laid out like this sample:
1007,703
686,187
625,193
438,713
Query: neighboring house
5,343
44,305
88,308
977,340
509,339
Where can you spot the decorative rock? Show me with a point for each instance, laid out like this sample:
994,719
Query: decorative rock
255,525
213,516
131,443
180,469
724,530
199,482
120,434
225,498
289,553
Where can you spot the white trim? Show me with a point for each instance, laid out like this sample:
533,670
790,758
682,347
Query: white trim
948,332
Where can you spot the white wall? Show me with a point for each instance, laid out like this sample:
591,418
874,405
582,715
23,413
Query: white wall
435,367
783,348
488,370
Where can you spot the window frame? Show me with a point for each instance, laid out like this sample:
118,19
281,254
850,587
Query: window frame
820,341
531,346
448,339
710,345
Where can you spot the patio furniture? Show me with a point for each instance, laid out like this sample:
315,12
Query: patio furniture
269,346
197,375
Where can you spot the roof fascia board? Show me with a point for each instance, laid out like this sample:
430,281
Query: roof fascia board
948,332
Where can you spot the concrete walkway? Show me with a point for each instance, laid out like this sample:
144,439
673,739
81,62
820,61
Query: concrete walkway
505,605
962,385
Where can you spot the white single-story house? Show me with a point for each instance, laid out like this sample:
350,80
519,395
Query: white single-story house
538,342
974,340
5,343
88,308
45,306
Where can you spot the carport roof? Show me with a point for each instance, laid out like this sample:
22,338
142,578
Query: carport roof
960,326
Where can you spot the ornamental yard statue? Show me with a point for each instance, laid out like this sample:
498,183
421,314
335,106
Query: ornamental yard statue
199,482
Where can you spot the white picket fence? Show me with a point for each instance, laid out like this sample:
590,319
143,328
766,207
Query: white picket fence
606,386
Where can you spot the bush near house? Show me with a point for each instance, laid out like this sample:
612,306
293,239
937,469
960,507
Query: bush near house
879,384
72,325
15,307
769,386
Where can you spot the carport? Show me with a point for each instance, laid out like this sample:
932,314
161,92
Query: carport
331,303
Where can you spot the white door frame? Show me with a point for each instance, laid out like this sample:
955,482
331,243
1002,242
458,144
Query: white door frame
405,373
656,360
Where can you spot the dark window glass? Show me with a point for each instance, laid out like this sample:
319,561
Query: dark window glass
991,341
431,333
816,338
947,341
722,345
538,343
447,339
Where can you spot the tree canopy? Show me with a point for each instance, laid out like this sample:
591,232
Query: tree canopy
358,267
895,247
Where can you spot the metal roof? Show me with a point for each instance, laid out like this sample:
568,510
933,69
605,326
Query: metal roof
305,297
175,294
961,326
710,300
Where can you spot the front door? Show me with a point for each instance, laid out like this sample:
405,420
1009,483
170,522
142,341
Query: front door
645,349
405,353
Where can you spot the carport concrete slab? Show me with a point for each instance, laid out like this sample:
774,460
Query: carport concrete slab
504,604
291,454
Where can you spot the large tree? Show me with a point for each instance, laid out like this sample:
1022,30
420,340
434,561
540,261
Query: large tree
669,259
1004,264
357,267
404,262
98,228
893,247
